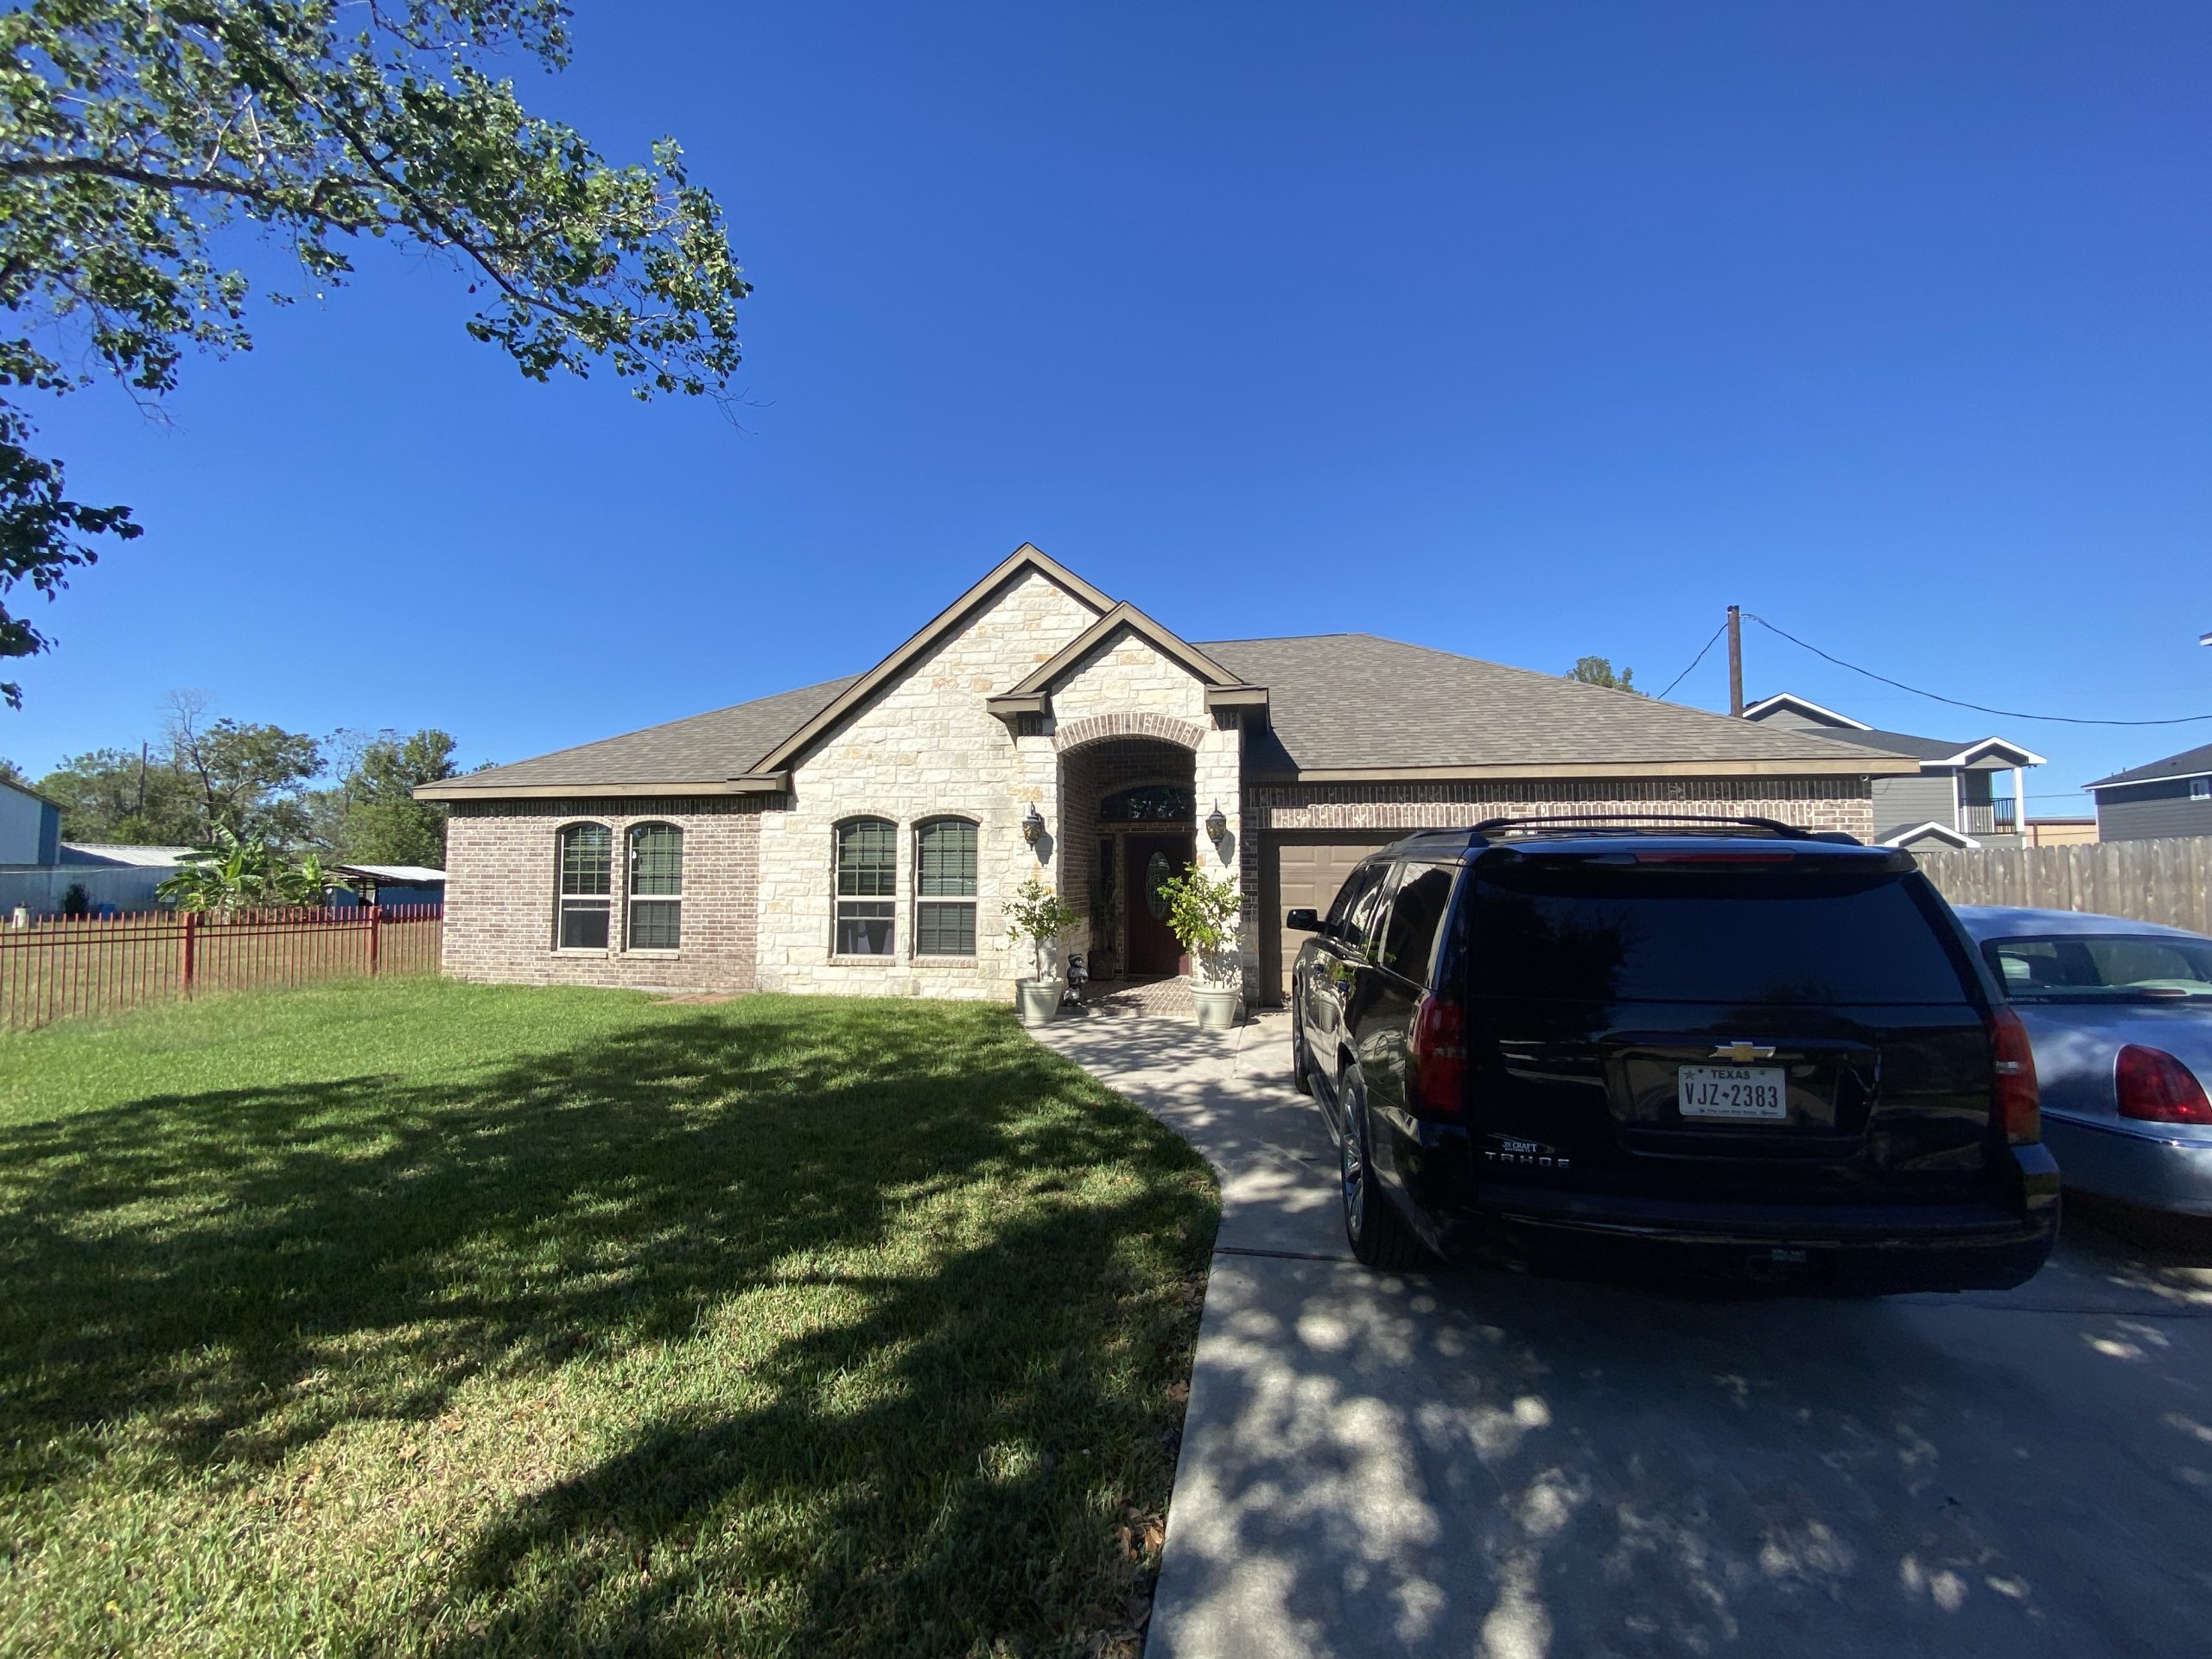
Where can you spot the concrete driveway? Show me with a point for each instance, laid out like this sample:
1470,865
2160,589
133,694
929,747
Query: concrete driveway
1483,1463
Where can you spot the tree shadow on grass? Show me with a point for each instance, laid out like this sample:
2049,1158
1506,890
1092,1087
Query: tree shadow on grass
974,1508
234,1274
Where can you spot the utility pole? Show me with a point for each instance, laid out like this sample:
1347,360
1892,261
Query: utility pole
1735,659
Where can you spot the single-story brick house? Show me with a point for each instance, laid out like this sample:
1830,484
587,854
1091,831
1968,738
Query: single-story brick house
859,834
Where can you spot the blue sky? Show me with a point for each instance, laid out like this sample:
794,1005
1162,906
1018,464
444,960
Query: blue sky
1519,330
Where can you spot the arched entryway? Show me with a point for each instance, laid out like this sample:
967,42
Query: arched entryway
1132,821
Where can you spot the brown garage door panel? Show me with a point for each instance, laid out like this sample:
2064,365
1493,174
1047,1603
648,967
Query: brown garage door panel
1300,872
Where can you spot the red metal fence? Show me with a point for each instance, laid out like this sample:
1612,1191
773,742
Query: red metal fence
56,968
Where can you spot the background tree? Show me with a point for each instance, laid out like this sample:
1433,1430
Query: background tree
251,779
1599,670
384,822
132,131
12,773
125,795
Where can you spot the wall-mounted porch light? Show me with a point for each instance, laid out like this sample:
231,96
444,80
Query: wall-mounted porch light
1032,824
1217,825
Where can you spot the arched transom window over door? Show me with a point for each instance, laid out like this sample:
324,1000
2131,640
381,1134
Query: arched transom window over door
1147,803
866,887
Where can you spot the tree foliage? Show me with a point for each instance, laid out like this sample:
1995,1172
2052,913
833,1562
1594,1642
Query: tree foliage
383,823
133,131
131,796
1599,670
206,778
243,872
1041,917
1205,913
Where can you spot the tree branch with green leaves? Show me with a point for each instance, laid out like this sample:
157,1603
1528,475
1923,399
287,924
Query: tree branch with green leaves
133,134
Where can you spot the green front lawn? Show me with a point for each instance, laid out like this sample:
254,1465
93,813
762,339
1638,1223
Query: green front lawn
424,1318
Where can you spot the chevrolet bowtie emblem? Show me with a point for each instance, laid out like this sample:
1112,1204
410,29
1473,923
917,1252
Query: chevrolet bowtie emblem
1742,1053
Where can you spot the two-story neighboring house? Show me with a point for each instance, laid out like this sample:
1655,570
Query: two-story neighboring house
2172,796
1954,801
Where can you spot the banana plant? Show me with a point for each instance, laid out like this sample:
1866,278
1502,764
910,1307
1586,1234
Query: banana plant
242,873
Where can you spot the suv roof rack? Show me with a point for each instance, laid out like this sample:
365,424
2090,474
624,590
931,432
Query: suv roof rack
1651,823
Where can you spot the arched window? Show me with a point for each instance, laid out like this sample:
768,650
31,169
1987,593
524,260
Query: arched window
656,919
1147,803
866,887
585,886
945,888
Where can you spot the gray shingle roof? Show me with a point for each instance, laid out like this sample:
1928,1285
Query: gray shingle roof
2189,763
1336,702
1353,702
705,748
1920,748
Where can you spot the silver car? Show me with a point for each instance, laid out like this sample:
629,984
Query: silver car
2120,1016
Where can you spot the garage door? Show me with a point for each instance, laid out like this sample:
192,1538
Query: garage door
1300,872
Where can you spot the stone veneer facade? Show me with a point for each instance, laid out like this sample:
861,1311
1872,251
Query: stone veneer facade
759,869
927,746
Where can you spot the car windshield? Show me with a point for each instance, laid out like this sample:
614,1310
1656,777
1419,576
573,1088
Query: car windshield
2116,967
1580,931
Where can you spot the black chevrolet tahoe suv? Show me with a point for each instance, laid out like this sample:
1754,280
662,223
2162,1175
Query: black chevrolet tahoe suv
1699,1048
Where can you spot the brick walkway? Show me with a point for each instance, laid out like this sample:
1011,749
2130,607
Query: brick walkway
1144,999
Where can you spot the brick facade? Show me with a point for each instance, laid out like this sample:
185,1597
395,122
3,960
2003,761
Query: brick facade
1103,766
1845,803
501,859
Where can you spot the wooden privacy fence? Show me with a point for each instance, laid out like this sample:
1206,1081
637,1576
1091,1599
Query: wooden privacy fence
57,969
2168,881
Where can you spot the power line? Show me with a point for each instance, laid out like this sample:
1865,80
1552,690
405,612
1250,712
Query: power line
1937,697
1695,661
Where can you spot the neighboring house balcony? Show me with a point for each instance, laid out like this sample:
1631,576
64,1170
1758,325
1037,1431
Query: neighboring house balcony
1992,818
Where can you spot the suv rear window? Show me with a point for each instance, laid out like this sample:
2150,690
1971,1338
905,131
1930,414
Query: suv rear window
1575,930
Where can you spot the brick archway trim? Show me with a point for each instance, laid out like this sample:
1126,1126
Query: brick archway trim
1097,728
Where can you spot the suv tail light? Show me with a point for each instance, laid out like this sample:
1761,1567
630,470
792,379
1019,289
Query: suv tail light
2156,1088
1436,1059
2020,1102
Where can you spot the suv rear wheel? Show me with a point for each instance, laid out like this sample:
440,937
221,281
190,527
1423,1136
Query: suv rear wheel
1378,1235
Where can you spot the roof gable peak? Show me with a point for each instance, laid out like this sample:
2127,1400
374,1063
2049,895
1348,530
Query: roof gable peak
1805,706
1024,559
1223,689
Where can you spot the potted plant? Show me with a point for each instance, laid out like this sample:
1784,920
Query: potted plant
1043,917
1202,912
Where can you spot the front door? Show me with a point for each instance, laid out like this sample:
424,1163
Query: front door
1149,861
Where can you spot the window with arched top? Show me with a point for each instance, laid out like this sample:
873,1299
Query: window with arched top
866,889
655,908
584,891
945,888
1147,803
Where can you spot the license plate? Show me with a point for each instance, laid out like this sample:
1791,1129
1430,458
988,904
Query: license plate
1741,1093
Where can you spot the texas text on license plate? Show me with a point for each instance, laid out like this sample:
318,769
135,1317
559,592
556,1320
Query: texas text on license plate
1750,1092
